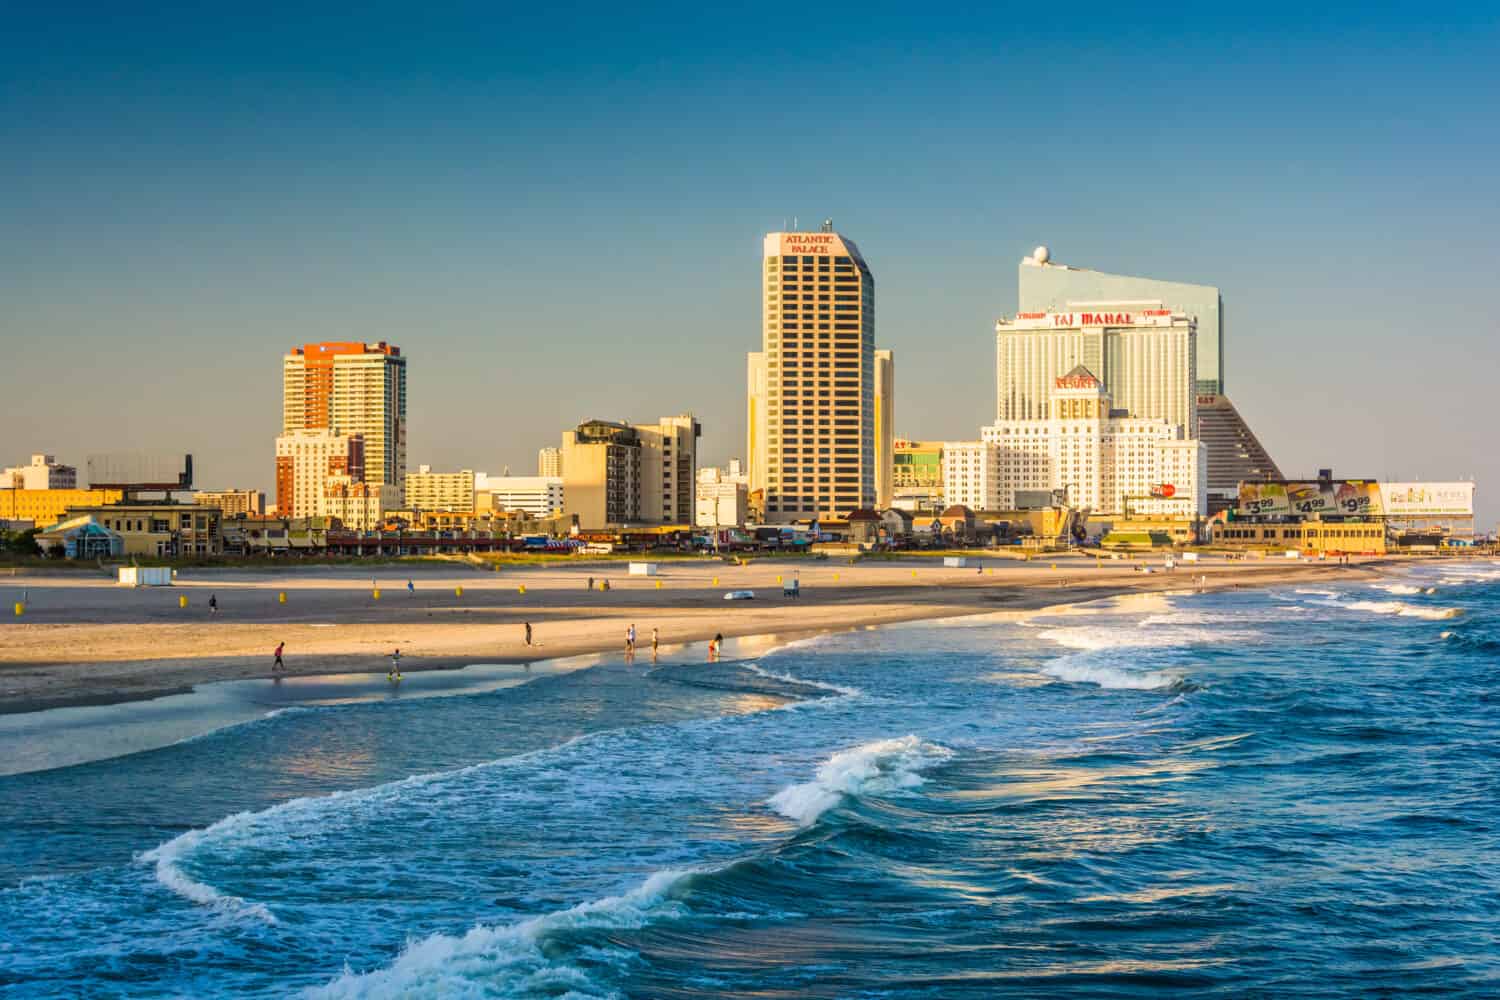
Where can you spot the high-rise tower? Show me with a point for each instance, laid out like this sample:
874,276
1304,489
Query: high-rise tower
812,386
351,388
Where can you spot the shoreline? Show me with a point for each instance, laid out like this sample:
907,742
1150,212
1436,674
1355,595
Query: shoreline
67,665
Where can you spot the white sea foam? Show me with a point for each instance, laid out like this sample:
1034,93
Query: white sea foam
871,769
839,689
1404,610
1076,670
171,875
1397,588
510,960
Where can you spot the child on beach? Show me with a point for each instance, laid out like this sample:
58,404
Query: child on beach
395,672
278,665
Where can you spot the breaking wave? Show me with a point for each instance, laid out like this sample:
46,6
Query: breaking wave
1076,671
514,959
1404,610
169,873
874,768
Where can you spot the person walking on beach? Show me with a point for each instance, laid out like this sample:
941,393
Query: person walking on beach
713,646
213,604
630,641
278,665
411,588
395,673
591,583
528,632
655,642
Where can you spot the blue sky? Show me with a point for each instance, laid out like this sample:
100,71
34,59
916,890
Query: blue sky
557,215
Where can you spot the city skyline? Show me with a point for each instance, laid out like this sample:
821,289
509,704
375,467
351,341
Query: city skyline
1324,179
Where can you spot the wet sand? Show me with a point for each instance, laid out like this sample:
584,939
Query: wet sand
84,640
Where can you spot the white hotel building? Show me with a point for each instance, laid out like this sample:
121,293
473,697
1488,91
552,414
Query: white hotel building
1106,460
1144,354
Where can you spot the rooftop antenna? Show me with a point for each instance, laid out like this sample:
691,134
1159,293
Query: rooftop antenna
827,225
794,223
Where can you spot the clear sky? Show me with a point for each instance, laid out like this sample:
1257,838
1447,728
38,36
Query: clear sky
558,215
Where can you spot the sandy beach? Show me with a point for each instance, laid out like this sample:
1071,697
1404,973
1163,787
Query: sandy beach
86,640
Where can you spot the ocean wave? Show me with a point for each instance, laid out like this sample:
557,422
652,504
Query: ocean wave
1078,671
170,874
248,827
873,768
1397,588
513,959
1157,632
838,689
1404,610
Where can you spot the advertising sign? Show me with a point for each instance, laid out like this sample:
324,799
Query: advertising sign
1341,497
1262,499
1429,499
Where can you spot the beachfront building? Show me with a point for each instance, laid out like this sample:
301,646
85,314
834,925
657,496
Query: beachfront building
234,503
351,388
43,472
44,508
160,530
1102,458
428,490
723,499
619,473
305,459
1141,352
970,477
812,438
549,463
537,496
917,475
1234,454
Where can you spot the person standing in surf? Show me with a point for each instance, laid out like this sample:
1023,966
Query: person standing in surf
630,641
655,642
395,673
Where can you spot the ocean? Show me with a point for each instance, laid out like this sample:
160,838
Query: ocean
1282,792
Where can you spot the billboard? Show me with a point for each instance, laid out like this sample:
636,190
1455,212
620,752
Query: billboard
1429,499
1334,497
141,471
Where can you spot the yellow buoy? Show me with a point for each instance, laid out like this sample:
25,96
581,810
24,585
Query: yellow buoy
658,584
522,588
914,574
716,581
281,597
182,600
458,591
835,578
20,608
376,595
1054,565
778,578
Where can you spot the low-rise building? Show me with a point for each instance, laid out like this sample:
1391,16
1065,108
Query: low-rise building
46,507
1356,537
234,503
428,490
81,537
723,499
537,496
160,530
42,473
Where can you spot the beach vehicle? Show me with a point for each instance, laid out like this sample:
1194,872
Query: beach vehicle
740,595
